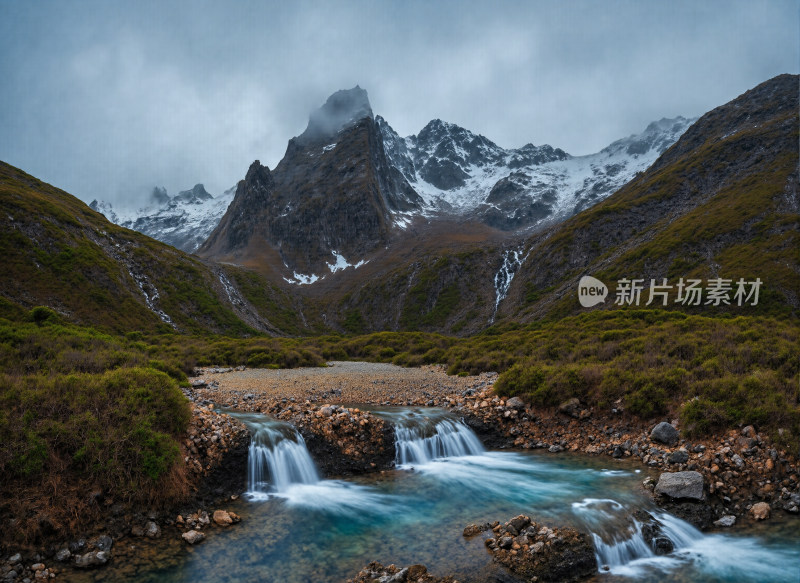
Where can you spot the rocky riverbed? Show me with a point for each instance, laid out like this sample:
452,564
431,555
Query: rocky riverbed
713,483
736,474
740,473
538,552
377,573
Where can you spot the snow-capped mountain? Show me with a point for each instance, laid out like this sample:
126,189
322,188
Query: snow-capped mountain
458,172
183,221
349,180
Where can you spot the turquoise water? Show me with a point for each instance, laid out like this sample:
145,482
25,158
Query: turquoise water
327,530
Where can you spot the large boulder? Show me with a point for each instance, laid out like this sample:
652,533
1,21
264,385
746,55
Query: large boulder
664,433
681,485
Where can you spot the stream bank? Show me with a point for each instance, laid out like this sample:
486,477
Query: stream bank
348,434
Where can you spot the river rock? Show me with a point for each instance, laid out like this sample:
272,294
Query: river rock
152,530
473,529
104,542
78,546
63,555
726,521
392,574
193,537
681,485
515,403
571,407
664,433
15,558
92,559
542,553
225,518
680,456
760,511
653,533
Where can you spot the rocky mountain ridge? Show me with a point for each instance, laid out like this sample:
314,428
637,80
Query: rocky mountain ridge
183,221
445,172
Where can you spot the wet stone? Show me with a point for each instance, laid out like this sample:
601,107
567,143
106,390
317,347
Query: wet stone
680,485
193,537
726,521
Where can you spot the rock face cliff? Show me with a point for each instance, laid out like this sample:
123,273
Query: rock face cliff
332,196
349,181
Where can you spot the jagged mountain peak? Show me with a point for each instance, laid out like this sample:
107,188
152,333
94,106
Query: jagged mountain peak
195,195
437,130
105,209
656,137
341,110
350,161
159,196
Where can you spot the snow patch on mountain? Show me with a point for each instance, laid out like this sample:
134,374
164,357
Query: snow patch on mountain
105,209
342,263
300,279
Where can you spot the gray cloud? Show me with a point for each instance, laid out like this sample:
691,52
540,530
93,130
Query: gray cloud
108,99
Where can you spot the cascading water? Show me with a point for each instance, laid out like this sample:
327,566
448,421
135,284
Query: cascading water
278,457
621,545
421,438
328,529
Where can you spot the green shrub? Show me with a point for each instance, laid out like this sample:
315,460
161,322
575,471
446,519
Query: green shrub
41,315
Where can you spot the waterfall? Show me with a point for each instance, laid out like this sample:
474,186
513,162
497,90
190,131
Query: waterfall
420,438
278,457
512,261
619,538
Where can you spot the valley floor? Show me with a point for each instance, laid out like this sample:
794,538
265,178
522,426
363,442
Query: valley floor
339,382
741,470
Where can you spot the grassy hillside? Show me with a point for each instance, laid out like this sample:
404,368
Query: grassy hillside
59,253
722,202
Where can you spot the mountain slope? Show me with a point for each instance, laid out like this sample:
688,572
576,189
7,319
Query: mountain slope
349,188
61,254
721,202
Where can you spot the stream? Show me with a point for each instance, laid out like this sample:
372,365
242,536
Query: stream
297,527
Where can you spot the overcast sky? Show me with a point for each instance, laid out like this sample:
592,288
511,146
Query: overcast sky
108,99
